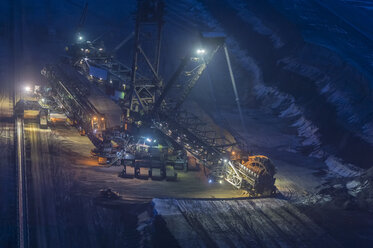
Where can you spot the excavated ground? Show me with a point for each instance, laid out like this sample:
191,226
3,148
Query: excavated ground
73,179
64,181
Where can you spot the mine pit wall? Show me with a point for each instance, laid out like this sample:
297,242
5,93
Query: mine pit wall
317,87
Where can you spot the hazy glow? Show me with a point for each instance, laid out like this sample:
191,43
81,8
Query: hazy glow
201,51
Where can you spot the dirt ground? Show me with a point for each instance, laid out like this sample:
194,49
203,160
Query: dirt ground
92,177
77,211
64,181
266,222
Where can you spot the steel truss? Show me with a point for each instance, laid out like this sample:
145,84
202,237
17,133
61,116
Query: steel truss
148,31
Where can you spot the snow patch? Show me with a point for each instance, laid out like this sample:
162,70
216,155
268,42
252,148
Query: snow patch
354,187
291,111
307,130
338,168
314,199
288,109
352,184
347,106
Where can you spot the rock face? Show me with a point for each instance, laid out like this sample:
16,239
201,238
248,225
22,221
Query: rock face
364,191
351,192
305,62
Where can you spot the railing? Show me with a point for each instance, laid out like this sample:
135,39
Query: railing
22,186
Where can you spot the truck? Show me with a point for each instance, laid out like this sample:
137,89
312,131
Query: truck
43,119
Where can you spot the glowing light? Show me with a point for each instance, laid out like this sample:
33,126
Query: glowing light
201,51
233,153
100,49
210,181
27,88
94,118
220,181
42,100
225,160
148,139
80,37
102,118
